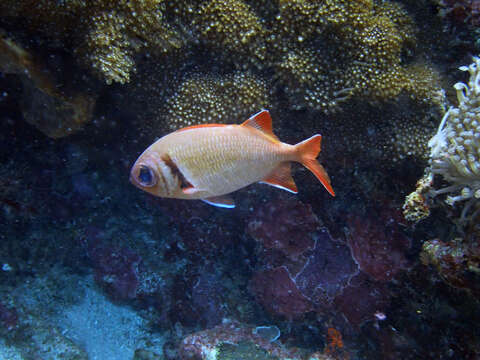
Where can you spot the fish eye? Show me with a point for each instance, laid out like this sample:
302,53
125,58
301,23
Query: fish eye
146,176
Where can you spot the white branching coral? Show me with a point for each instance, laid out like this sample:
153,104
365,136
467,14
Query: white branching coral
455,149
454,155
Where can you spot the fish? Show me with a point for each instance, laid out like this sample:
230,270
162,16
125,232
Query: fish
210,161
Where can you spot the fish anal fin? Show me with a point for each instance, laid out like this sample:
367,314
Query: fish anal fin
223,201
281,178
261,121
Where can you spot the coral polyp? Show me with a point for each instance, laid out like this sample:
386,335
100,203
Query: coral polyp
455,148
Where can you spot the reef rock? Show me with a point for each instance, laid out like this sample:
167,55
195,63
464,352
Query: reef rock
48,103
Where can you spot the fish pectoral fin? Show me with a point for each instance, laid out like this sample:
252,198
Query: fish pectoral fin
190,190
223,201
281,178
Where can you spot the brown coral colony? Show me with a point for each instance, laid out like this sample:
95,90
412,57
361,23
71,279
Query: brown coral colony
322,53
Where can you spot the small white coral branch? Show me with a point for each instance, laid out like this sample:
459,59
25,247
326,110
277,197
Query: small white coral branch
455,148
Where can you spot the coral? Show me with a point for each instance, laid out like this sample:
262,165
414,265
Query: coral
118,270
334,341
395,135
329,52
56,19
461,12
207,298
416,207
334,276
327,271
203,235
270,333
103,34
187,266
276,290
218,99
53,105
118,30
378,243
322,53
232,27
454,171
233,340
296,280
276,226
203,297
457,261
406,136
108,49
243,351
362,299
455,148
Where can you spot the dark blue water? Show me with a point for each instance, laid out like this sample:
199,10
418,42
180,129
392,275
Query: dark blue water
94,268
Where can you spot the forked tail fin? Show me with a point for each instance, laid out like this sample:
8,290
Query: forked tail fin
308,151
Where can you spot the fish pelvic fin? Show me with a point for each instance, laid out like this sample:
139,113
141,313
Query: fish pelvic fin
281,178
308,151
262,121
222,201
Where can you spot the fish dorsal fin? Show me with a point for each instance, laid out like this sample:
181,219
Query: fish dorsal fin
261,121
281,178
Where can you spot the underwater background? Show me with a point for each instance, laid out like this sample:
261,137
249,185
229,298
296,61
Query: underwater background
93,268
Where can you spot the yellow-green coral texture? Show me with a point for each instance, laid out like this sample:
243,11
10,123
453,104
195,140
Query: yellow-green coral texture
106,34
319,53
332,50
225,99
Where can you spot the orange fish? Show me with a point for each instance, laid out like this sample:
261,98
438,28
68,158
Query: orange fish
209,161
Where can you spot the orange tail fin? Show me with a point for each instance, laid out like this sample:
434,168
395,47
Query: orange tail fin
308,151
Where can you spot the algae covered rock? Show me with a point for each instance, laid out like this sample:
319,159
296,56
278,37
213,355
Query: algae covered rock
234,340
52,104
243,351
